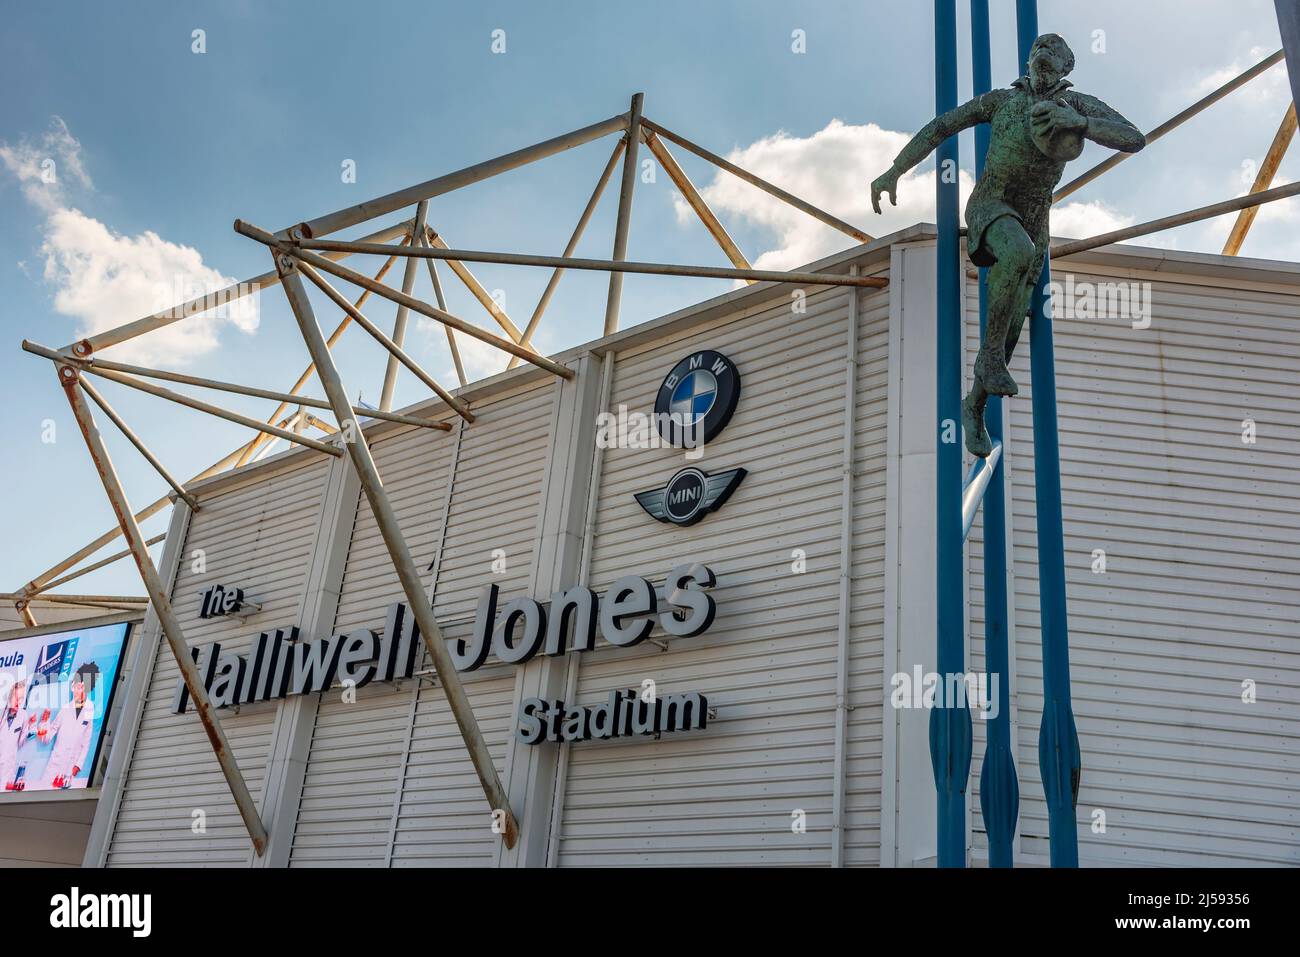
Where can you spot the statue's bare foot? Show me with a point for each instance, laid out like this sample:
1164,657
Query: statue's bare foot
993,374
978,442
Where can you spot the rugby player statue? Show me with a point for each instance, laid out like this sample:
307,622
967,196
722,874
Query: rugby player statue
1038,125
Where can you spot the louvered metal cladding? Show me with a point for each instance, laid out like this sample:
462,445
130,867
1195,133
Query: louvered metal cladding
1202,548
768,662
388,780
258,532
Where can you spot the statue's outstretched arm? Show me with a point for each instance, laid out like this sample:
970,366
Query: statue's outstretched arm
1107,126
971,113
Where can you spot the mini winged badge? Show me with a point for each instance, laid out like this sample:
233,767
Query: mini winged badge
690,495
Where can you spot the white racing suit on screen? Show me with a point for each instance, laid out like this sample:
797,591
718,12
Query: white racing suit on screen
72,734
13,732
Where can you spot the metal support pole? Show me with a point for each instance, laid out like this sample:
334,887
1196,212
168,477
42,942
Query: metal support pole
1170,124
950,723
302,247
194,307
434,240
96,566
999,788
400,354
442,304
399,324
302,254
1264,179
386,519
1178,219
696,201
162,606
569,248
628,185
861,235
286,398
382,205
844,622
1058,741
247,452
196,404
140,447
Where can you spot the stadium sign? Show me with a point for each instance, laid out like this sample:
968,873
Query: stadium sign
279,663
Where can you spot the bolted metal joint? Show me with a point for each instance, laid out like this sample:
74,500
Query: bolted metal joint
68,375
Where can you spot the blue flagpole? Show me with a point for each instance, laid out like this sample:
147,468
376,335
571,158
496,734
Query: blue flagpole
1058,741
999,789
950,725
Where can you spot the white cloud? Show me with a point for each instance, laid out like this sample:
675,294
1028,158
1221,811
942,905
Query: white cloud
832,169
1084,220
43,166
103,279
1271,88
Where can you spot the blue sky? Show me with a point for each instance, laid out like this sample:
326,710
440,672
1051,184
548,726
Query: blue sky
158,149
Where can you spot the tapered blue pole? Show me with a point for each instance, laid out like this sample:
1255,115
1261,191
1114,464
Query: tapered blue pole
1058,741
950,725
999,789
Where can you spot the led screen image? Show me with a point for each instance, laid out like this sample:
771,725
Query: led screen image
55,694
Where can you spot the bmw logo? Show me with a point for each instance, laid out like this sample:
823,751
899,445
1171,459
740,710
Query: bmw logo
697,399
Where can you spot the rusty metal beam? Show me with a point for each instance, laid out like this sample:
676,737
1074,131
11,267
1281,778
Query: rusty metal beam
68,378
138,442
627,186
457,405
302,254
1263,179
572,245
382,205
399,323
848,229
194,307
599,265
116,556
696,202
451,336
390,530
475,287
1178,219
1170,124
260,439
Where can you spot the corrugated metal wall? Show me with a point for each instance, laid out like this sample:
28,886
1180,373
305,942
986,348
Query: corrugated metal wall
388,779
867,604
729,795
1200,594
259,536
1202,582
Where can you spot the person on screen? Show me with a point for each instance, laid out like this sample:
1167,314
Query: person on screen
72,731
13,734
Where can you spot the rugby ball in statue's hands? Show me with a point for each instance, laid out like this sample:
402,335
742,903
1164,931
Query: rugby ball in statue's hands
1051,137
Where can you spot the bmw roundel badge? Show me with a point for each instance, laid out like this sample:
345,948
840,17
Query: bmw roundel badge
697,399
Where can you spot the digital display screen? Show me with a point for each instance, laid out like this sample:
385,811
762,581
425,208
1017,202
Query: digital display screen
55,694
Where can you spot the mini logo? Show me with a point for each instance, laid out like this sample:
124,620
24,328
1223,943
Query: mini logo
697,399
690,495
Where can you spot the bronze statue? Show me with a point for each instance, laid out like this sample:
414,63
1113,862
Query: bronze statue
1038,125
